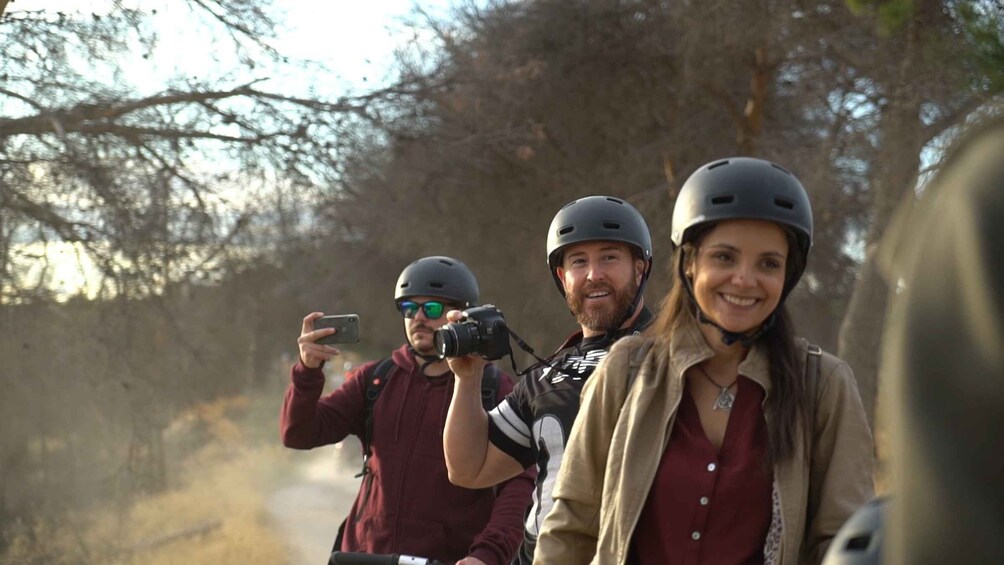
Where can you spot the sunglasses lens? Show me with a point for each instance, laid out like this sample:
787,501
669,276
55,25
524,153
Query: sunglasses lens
433,310
408,309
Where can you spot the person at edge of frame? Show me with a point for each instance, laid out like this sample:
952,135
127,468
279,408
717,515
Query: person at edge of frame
942,371
718,437
406,503
599,252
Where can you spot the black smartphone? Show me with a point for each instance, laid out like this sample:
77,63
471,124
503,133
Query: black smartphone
346,324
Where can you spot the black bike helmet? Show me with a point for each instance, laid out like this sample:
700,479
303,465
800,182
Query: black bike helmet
441,277
596,218
744,188
859,540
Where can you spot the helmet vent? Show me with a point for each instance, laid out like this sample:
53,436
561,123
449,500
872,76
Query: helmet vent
436,284
727,199
405,284
611,226
780,168
859,543
718,164
566,230
784,203
447,263
615,200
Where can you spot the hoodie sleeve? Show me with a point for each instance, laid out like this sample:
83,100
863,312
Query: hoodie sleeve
307,420
500,539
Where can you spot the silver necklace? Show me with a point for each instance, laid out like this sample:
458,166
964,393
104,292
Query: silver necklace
725,398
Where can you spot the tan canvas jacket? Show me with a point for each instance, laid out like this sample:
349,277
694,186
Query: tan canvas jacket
624,426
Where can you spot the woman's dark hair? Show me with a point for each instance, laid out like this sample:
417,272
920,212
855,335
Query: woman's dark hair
787,401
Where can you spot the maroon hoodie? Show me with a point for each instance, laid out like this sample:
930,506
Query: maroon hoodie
406,504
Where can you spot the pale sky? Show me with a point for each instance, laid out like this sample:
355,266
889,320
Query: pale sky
353,39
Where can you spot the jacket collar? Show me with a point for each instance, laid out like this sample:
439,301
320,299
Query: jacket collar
687,347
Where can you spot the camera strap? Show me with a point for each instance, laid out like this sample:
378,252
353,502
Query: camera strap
540,362
643,320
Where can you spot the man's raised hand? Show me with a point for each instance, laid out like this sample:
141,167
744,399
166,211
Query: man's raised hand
312,354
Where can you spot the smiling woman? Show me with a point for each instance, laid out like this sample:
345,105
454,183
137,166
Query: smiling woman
736,459
738,273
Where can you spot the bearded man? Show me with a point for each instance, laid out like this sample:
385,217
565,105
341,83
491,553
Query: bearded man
599,252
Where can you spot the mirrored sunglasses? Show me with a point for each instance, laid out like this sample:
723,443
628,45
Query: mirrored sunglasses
432,309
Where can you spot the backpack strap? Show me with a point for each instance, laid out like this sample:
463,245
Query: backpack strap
813,355
489,387
375,381
813,358
636,361
378,378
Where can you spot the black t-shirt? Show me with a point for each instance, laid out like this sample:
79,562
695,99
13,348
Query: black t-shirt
533,422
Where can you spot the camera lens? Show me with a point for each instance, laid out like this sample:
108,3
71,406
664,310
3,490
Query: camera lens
446,341
455,339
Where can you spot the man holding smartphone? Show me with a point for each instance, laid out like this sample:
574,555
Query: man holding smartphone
406,504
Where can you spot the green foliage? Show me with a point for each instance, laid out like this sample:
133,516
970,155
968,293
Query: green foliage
982,24
891,15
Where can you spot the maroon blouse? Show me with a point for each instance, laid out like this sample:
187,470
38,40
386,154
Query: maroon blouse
708,507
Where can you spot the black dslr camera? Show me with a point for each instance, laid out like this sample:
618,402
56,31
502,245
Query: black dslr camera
482,332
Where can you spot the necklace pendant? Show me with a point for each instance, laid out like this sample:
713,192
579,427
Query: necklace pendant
725,400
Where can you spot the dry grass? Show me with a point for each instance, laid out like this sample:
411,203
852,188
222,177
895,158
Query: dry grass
216,516
230,494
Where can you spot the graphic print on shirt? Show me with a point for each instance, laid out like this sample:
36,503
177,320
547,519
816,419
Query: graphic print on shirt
532,424
581,365
550,439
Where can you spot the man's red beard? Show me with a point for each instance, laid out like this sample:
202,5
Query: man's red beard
612,315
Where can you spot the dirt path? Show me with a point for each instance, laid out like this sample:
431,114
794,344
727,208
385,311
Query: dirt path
309,510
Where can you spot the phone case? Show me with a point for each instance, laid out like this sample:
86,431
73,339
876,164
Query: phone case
346,324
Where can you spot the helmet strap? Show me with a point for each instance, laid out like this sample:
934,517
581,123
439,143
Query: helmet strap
630,311
728,337
426,359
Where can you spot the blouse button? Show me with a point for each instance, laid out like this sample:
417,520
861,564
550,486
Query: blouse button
695,536
712,467
704,501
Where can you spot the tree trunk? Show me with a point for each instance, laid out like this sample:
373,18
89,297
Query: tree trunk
894,177
861,330
4,519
